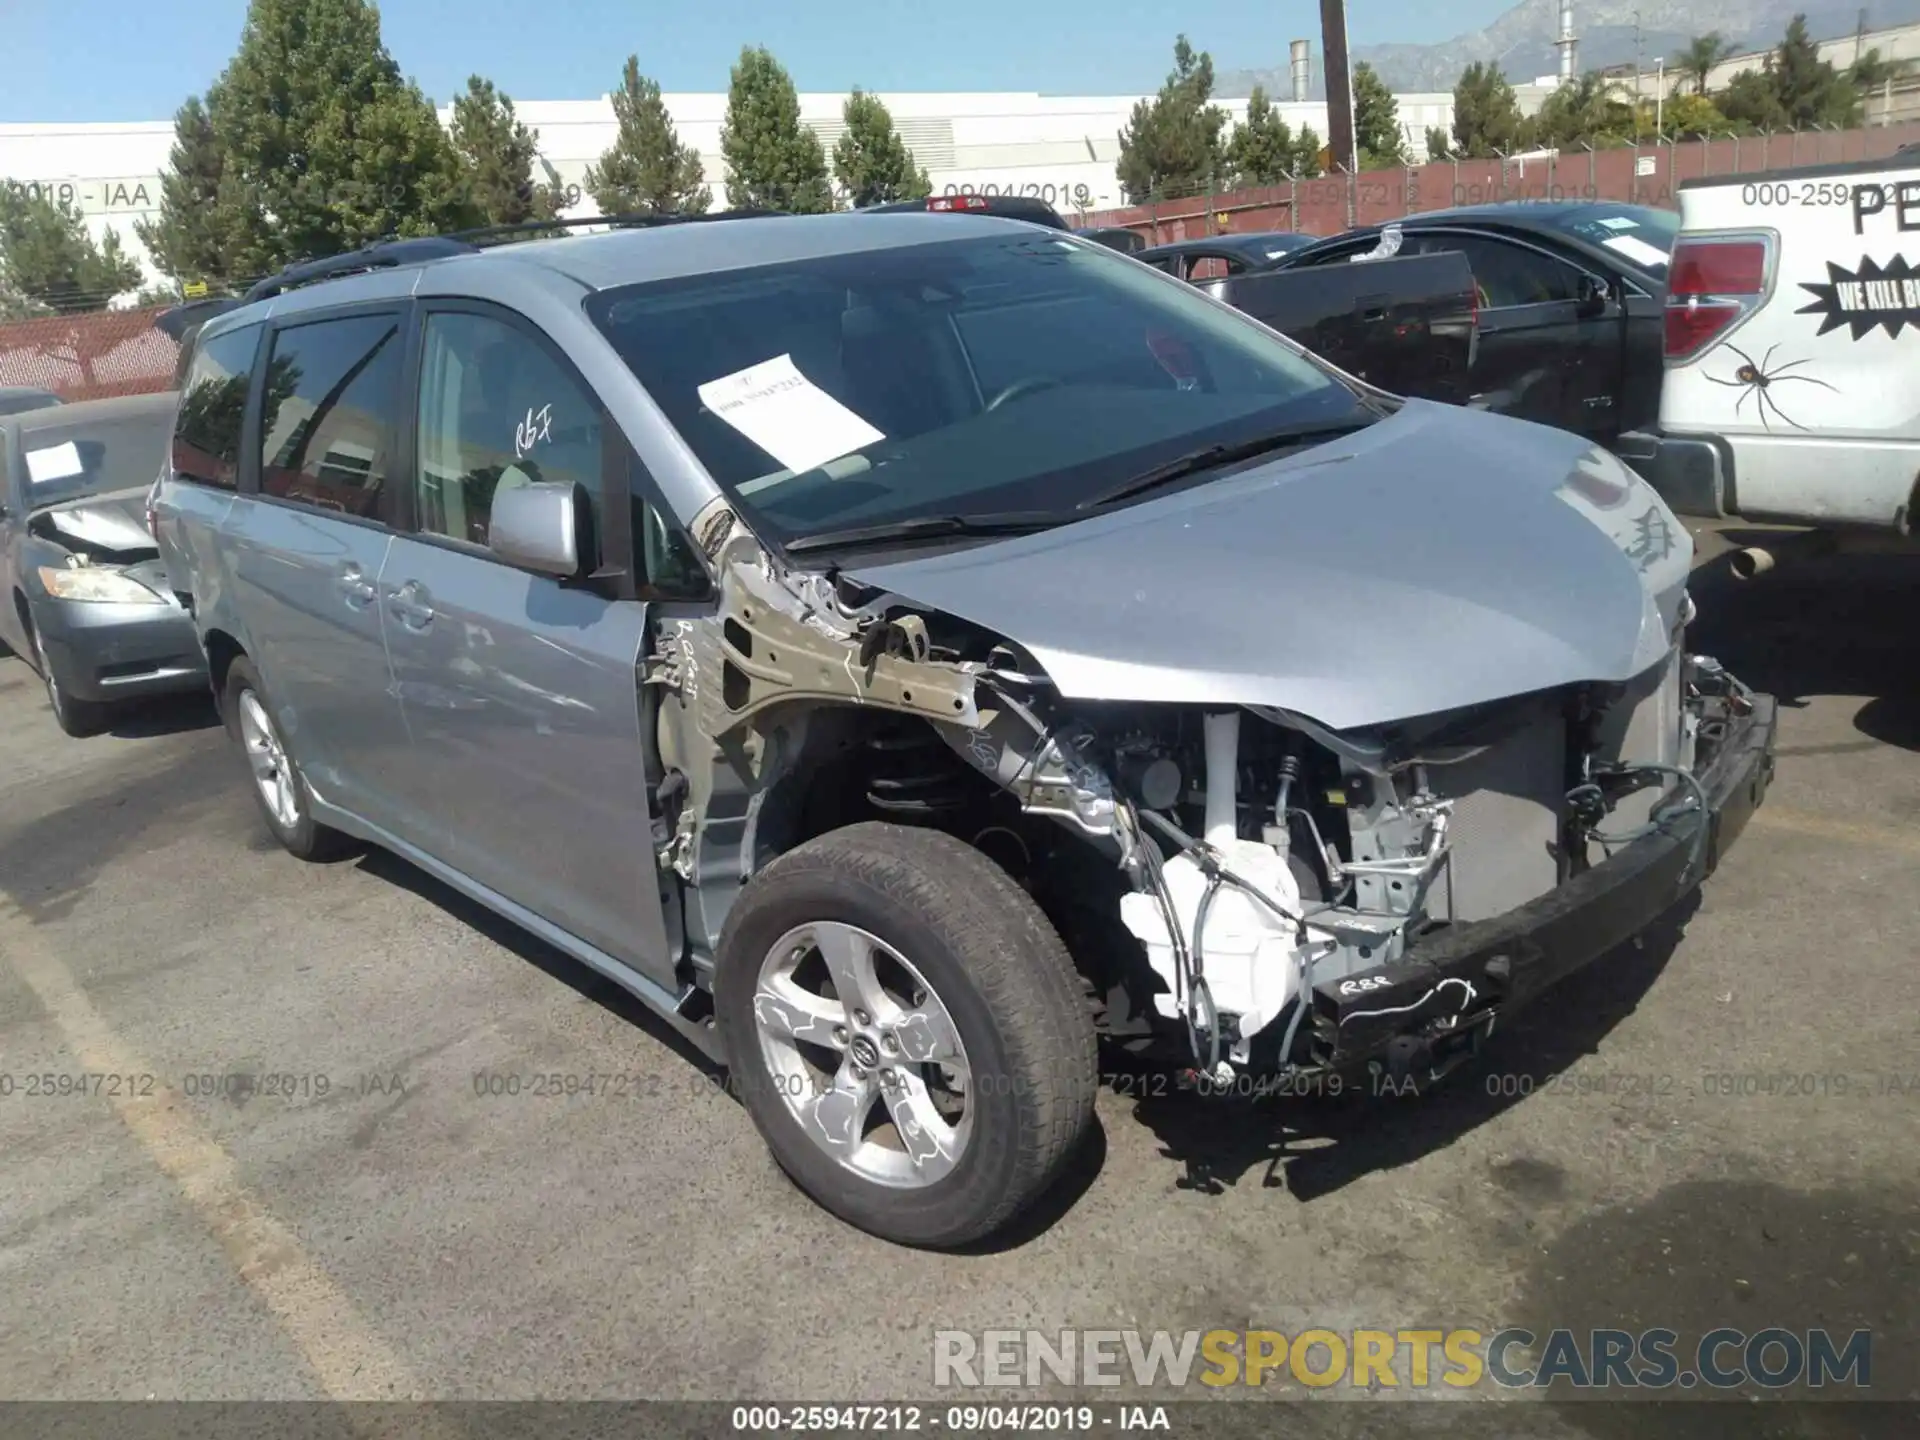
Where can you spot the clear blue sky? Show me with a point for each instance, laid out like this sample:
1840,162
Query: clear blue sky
79,60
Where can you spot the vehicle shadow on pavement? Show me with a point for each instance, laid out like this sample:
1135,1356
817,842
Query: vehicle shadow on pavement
1315,1145
169,715
1745,1252
587,983
1081,1168
1822,625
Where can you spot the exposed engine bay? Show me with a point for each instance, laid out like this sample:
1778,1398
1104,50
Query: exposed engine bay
1212,869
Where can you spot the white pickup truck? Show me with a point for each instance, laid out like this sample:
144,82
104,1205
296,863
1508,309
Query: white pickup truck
1792,341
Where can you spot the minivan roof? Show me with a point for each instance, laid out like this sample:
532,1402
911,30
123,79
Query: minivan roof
629,256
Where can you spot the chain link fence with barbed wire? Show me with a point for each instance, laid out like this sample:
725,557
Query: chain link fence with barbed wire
92,351
1642,174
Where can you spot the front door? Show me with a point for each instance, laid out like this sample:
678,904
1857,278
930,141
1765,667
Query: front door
308,541
521,692
1542,354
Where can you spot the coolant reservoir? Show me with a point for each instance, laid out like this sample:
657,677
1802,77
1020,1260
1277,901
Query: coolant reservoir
1248,954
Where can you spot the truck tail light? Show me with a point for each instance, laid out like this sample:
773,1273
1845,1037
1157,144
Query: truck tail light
957,202
1713,284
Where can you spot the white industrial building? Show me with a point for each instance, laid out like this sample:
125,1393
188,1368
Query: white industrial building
1060,148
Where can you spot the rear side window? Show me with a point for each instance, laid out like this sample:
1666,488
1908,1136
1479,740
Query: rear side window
329,416
213,403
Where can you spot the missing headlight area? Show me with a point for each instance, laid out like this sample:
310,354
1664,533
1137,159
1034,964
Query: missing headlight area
1241,888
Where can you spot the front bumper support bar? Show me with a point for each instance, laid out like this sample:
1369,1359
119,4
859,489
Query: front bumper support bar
1451,982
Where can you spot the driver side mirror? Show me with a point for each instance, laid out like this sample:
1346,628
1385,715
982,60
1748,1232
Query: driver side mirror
1593,297
545,527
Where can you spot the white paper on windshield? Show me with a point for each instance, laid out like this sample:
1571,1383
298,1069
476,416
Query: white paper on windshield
1618,222
1636,250
786,414
56,462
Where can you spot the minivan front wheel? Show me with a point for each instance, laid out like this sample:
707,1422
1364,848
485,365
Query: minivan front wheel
282,794
907,1032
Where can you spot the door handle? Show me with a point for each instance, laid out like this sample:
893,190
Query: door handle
354,585
410,607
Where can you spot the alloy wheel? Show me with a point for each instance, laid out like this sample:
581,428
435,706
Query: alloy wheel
864,1054
268,758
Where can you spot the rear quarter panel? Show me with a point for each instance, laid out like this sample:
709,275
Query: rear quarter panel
1834,433
188,520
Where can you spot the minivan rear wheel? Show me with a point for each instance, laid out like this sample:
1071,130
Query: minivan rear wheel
278,787
907,1031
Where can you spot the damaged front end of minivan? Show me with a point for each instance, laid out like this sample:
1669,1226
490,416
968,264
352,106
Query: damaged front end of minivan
1248,887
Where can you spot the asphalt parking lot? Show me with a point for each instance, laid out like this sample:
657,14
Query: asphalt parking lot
360,1222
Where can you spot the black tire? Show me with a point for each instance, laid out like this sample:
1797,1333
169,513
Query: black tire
78,718
1005,979
305,837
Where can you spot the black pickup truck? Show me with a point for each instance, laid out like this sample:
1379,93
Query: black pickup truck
1406,324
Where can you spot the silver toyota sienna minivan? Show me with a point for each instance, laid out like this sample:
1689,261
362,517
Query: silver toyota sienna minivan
910,651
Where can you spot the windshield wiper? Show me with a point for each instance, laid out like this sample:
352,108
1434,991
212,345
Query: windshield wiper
927,527
1212,457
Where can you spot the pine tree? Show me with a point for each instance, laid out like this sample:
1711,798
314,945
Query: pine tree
48,260
185,239
1172,143
1439,144
871,161
1261,149
327,146
1752,100
1376,121
497,154
646,171
1307,164
1486,116
1802,80
773,160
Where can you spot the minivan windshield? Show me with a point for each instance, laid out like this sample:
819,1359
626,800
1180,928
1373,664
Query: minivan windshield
1018,375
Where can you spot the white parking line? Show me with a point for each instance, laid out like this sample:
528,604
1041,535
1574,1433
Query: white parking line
350,1359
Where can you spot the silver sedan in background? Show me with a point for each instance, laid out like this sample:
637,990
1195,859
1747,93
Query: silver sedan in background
86,602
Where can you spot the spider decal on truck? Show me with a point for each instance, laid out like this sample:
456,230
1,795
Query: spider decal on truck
1758,382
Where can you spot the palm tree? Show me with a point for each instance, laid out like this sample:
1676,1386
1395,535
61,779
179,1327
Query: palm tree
1701,55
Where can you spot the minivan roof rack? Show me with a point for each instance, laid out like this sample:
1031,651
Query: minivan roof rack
417,250
536,229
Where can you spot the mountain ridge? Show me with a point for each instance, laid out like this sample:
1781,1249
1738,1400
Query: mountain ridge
1521,40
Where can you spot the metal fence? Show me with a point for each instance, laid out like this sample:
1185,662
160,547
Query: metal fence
89,356
1649,174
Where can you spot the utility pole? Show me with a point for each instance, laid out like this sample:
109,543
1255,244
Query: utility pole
1636,61
1333,46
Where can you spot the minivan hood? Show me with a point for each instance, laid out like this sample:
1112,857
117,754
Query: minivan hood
1442,557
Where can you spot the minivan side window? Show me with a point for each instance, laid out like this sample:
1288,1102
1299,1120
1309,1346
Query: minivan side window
213,403
329,417
497,410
